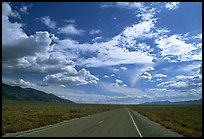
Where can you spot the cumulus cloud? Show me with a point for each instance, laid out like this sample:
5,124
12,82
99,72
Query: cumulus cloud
72,78
48,22
29,46
63,86
70,29
118,81
149,68
104,53
10,31
105,76
124,85
139,30
146,75
172,5
123,68
23,83
159,75
7,11
175,47
34,54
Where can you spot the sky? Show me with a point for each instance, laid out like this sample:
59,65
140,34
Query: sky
104,52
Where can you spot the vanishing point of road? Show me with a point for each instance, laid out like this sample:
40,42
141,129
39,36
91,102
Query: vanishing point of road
122,122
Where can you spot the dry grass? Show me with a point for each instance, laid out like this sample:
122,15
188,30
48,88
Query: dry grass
184,119
19,116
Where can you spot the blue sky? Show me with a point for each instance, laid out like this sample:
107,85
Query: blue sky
113,52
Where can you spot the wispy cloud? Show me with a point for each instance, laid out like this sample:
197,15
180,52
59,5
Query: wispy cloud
48,22
70,29
24,8
93,31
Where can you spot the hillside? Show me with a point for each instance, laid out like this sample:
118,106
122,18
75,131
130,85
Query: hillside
29,94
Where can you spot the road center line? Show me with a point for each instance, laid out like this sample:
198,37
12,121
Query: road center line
100,122
134,123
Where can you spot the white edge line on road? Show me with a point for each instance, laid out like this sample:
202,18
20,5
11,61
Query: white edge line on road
134,123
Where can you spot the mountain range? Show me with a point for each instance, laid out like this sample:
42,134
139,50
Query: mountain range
29,94
199,101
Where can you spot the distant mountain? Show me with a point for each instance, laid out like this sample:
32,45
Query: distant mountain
29,94
179,102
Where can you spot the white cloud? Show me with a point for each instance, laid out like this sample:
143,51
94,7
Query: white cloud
146,75
70,21
115,84
31,54
159,79
29,46
123,68
172,5
71,77
115,70
130,5
24,9
138,71
139,30
48,22
174,45
124,85
93,31
159,75
63,86
114,18
173,84
23,83
54,38
123,57
106,76
140,8
97,39
199,36
7,10
149,68
70,29
117,89
118,81
144,47
185,77
10,31
104,53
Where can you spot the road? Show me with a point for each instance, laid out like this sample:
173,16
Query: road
122,122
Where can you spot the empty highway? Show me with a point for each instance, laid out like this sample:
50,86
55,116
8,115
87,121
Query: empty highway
122,122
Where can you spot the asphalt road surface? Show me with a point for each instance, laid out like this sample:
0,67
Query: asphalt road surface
122,122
